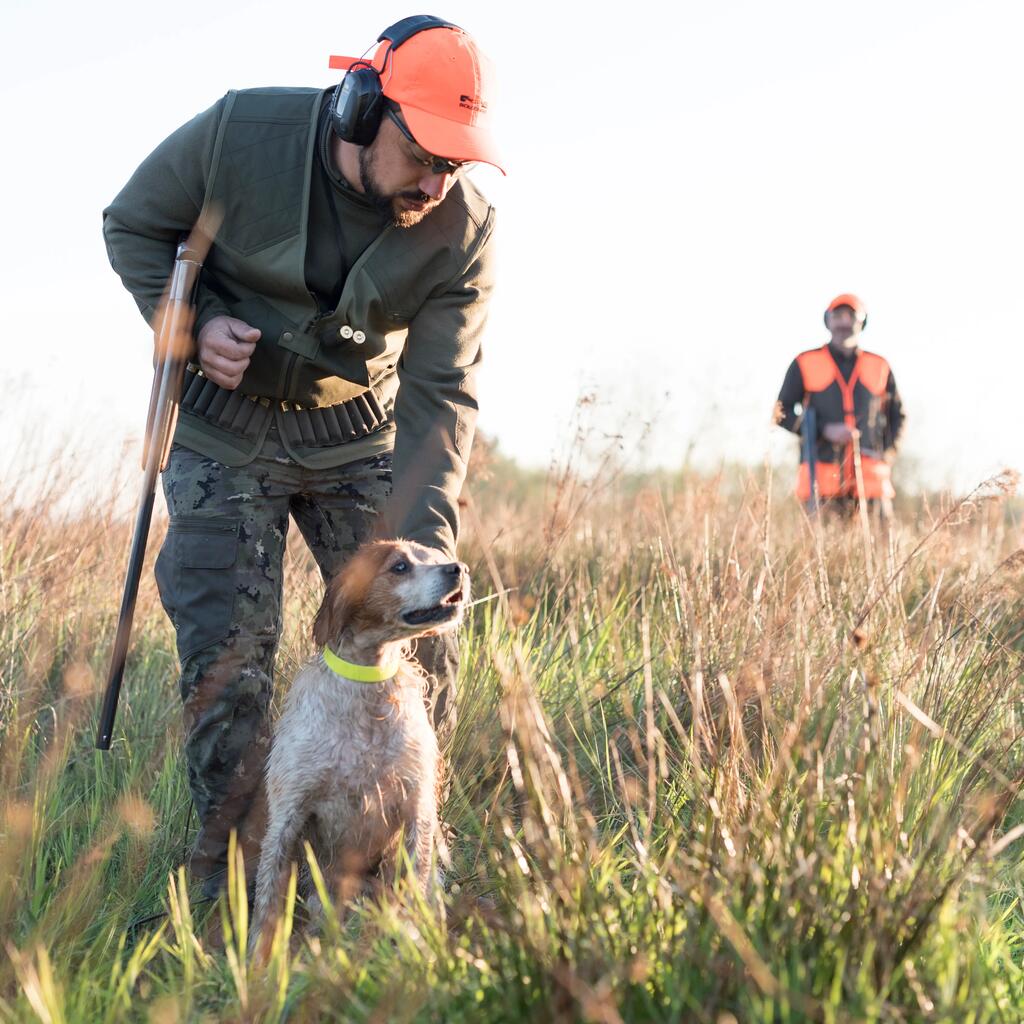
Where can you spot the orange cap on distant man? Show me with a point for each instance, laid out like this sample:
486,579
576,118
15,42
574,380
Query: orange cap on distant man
445,87
851,300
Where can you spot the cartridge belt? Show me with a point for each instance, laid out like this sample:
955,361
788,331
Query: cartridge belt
244,414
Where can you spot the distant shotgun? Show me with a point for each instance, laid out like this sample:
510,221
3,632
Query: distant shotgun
173,347
809,439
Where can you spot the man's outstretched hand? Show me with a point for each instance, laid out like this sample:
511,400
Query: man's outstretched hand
225,346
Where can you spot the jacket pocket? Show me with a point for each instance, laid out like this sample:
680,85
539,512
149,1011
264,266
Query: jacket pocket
260,182
196,579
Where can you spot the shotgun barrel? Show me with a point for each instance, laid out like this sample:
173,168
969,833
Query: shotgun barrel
809,440
173,347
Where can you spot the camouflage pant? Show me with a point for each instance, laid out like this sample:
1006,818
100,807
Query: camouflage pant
219,573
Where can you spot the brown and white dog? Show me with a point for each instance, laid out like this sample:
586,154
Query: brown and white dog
354,763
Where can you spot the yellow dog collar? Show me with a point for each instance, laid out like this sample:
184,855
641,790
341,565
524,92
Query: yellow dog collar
359,673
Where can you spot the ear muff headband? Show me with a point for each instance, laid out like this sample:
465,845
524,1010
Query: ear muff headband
405,29
357,105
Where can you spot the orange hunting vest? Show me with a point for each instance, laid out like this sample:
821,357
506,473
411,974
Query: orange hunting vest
860,404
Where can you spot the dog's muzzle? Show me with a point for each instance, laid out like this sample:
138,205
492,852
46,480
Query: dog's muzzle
450,604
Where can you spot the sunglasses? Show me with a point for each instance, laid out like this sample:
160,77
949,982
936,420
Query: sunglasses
437,164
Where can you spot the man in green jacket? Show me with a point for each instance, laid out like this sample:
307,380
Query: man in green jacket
338,324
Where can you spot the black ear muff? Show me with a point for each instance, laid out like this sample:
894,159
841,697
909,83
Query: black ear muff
357,106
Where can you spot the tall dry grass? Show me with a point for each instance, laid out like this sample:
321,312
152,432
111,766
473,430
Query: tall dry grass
714,762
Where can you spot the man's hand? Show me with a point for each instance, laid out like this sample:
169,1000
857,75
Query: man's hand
224,348
837,433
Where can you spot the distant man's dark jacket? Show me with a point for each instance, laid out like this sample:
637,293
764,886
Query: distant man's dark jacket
404,320
855,388
880,420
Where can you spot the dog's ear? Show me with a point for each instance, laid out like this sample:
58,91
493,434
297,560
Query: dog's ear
346,592
334,612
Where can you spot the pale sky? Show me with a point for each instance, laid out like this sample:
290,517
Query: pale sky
687,189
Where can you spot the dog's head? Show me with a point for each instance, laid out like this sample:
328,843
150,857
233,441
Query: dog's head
391,591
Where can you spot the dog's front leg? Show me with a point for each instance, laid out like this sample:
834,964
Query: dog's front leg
421,831
279,848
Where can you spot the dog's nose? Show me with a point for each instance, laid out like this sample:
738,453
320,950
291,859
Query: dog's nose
454,569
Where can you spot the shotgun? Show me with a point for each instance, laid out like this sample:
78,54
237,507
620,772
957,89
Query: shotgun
809,439
173,347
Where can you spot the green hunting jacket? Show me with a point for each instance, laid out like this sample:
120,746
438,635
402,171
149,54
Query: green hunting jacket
407,325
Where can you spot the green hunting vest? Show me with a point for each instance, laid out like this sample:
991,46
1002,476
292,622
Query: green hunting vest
260,177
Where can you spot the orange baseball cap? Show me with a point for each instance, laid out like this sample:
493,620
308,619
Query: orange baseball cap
851,300
445,87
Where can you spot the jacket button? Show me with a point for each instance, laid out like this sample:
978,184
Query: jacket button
345,332
359,337
287,336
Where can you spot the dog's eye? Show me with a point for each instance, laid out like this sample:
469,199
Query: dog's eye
400,566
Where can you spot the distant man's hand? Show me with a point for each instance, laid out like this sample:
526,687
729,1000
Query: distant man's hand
225,346
836,433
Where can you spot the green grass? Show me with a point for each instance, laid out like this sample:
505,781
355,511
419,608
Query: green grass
713,763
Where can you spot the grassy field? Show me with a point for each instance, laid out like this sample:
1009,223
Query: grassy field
714,763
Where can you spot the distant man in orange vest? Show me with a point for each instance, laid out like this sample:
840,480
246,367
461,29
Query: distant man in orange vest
858,415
